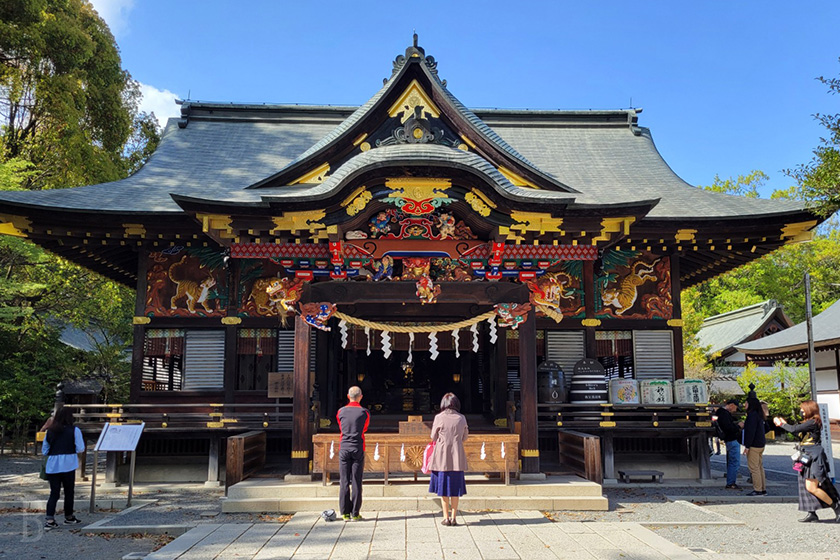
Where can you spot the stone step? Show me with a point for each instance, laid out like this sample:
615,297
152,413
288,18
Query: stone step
551,487
428,503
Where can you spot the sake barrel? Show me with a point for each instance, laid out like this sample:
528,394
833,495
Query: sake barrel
624,391
589,386
690,391
656,391
551,383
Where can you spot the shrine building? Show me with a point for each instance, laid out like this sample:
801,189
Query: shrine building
411,246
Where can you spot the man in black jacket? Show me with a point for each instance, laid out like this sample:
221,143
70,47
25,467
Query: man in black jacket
353,421
731,436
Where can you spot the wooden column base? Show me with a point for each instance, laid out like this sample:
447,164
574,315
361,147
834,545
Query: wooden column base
300,465
530,463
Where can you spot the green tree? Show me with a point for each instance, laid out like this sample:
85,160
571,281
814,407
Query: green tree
819,179
68,117
67,105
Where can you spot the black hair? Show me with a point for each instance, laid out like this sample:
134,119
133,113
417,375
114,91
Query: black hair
62,419
450,401
753,404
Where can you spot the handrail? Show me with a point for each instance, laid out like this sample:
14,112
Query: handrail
237,416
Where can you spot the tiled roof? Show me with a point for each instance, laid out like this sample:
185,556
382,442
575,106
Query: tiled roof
826,332
216,157
724,331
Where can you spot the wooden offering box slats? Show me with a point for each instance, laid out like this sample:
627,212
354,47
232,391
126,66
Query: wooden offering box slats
390,460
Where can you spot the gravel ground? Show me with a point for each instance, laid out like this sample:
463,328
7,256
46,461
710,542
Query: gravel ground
769,527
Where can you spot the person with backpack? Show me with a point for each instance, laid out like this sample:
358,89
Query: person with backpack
731,433
62,445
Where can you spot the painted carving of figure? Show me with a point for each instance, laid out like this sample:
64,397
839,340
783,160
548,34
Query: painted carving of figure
383,269
446,226
624,296
427,291
512,314
192,291
414,268
317,314
155,283
380,224
286,291
264,303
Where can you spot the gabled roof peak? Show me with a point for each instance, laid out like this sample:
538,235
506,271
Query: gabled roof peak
415,53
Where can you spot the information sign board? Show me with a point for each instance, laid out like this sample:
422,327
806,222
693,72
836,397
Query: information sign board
119,437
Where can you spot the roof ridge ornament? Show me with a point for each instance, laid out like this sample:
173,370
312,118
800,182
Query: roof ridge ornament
415,51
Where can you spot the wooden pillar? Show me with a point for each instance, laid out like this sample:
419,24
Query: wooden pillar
465,387
232,268
138,346
498,365
301,438
528,442
111,463
213,462
589,308
676,298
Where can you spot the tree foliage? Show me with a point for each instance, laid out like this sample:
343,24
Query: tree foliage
68,117
819,179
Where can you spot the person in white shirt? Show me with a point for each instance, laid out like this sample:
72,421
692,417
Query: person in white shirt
62,445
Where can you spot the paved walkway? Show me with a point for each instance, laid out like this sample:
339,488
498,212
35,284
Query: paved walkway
416,535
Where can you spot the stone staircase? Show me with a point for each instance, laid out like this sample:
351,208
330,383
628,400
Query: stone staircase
552,493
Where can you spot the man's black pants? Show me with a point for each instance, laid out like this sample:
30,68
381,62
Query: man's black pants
351,466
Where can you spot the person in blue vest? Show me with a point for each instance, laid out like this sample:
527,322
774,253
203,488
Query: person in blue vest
62,445
353,422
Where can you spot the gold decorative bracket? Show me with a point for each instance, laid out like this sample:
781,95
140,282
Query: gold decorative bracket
413,96
515,179
798,232
610,226
317,175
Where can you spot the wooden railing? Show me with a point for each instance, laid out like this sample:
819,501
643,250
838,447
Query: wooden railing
245,456
581,453
232,416
623,416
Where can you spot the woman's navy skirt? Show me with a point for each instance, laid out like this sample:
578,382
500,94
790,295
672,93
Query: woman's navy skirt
448,483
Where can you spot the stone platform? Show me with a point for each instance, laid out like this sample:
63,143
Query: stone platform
552,493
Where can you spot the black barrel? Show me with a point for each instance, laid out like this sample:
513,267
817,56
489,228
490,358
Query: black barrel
551,383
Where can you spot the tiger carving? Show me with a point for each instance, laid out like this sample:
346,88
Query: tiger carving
624,296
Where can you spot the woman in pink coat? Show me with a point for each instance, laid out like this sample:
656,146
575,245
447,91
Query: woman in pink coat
448,462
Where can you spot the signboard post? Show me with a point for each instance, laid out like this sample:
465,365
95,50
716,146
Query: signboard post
116,437
825,432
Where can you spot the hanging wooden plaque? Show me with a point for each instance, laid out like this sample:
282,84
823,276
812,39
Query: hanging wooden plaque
280,385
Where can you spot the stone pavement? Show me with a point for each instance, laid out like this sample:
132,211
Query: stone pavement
419,535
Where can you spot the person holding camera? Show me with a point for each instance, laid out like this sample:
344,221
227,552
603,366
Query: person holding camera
815,488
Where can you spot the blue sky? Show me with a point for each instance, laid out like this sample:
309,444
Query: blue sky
726,87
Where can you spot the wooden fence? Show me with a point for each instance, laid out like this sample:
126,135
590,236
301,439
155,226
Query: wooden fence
245,456
581,453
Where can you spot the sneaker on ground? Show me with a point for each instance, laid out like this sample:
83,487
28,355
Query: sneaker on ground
50,524
71,521
732,487
357,518
346,517
757,493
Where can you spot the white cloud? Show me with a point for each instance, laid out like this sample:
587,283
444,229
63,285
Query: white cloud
115,13
160,102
